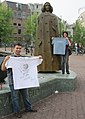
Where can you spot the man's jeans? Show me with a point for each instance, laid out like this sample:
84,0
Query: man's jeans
15,99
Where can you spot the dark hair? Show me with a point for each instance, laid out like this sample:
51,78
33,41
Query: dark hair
65,32
44,9
19,44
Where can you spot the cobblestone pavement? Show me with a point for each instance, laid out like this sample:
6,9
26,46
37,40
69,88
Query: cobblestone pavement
65,105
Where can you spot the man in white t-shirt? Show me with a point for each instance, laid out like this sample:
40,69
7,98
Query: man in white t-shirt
25,74
24,91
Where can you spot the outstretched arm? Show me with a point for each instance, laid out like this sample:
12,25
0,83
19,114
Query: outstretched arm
3,67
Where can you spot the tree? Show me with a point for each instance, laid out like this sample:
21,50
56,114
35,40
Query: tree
30,27
5,23
63,26
79,33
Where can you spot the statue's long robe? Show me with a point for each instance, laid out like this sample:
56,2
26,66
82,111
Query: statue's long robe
47,27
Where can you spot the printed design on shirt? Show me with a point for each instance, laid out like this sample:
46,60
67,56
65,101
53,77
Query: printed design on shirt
24,67
25,71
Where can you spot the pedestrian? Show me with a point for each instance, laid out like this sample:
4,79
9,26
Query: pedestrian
26,48
14,93
65,58
76,48
31,50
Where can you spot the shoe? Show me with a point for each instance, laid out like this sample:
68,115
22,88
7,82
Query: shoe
18,114
68,72
31,110
63,72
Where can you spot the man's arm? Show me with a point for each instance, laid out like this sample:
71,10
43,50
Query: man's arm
69,41
3,67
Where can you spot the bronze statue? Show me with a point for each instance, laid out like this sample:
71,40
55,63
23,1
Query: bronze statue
47,27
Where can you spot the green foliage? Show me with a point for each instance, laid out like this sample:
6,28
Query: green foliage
62,27
5,23
30,27
79,33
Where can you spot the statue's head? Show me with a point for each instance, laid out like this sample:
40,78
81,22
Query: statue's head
47,7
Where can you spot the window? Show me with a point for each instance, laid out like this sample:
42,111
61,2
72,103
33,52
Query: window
19,24
36,6
19,31
24,15
19,6
14,24
15,14
19,15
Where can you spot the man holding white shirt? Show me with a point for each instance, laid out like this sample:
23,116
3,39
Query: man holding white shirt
24,92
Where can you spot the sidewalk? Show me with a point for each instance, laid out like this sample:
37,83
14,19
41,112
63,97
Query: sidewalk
66,105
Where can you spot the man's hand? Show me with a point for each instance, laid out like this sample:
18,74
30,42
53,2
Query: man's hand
68,41
40,57
3,68
6,58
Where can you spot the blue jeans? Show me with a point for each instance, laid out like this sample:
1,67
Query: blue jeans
76,50
15,99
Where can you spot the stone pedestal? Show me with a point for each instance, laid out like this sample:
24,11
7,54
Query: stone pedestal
49,83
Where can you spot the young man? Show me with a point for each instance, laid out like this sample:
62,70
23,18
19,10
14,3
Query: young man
65,58
24,92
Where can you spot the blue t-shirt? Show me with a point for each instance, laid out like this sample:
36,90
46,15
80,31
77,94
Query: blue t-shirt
59,45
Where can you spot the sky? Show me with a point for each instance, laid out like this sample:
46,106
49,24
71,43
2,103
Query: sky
68,10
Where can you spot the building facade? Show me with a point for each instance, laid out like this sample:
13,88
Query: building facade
81,18
20,14
36,7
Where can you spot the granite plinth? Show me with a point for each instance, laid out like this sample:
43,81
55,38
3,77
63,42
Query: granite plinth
49,83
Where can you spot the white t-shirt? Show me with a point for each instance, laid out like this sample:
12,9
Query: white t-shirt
24,71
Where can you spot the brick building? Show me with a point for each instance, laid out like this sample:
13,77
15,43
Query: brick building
20,13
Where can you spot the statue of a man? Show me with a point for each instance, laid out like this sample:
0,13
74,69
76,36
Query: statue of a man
47,27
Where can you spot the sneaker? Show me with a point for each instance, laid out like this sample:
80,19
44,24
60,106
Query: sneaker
18,115
31,110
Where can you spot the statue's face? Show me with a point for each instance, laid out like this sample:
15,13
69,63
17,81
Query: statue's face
47,7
